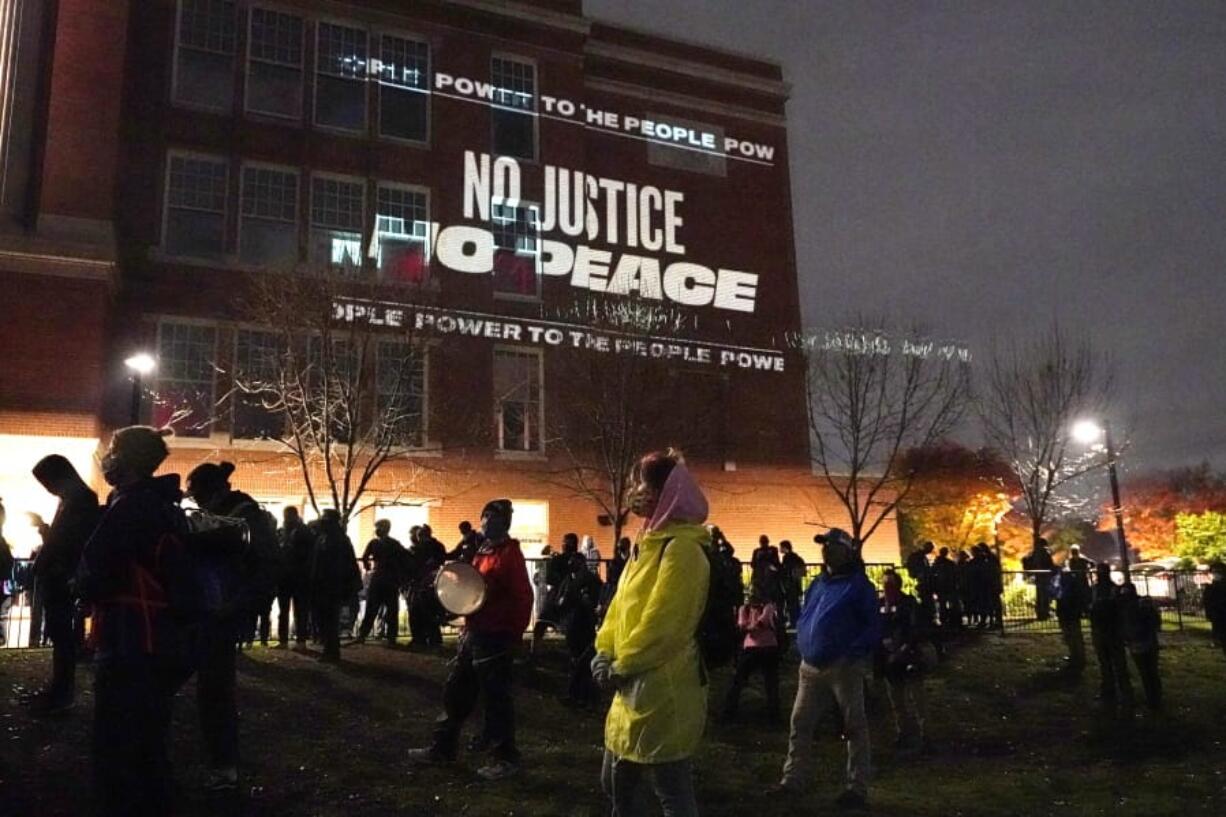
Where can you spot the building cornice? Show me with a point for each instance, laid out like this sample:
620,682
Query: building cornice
689,68
529,14
59,266
695,103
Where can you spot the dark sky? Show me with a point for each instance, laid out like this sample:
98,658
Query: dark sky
987,167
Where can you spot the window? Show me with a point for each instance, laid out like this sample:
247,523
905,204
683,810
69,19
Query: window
338,206
707,162
517,251
403,232
518,408
268,231
204,57
274,70
184,396
195,225
401,391
514,109
340,81
404,89
257,358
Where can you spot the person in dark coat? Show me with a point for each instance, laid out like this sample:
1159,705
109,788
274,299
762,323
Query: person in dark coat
944,575
56,565
792,576
557,567
613,573
296,543
141,657
920,570
383,557
578,599
466,548
1141,621
1215,603
900,661
1038,564
1107,635
425,613
334,579
232,534
1070,608
483,667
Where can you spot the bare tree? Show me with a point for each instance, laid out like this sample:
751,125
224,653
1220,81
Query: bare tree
871,397
339,389
614,406
1032,392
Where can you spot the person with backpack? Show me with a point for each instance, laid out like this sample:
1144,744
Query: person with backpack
840,629
234,538
131,572
63,540
483,666
647,648
334,579
761,626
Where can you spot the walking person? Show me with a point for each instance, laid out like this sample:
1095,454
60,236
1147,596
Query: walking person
840,628
647,651
760,625
141,651
483,666
63,540
382,558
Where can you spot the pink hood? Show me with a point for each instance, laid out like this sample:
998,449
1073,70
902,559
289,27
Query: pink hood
680,501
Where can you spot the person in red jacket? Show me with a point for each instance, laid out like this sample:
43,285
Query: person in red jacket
482,668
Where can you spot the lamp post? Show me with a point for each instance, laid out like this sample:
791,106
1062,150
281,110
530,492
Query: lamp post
139,364
1088,432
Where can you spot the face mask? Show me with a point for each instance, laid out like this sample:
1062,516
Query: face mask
640,501
112,470
494,526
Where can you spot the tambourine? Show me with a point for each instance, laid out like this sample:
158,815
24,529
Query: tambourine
460,588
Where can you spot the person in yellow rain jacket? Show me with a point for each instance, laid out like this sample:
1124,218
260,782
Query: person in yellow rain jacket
647,650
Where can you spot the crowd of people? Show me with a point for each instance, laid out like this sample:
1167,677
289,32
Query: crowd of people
173,594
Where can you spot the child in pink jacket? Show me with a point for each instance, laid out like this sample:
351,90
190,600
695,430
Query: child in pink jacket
761,629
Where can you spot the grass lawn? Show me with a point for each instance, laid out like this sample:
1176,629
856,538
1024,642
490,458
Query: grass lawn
1009,737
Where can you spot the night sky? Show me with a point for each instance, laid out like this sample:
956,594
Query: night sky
992,166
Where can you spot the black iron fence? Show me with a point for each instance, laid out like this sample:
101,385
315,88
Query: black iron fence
1029,598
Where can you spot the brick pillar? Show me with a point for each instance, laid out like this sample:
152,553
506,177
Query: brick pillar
83,121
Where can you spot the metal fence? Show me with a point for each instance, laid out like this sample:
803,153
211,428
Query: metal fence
1029,598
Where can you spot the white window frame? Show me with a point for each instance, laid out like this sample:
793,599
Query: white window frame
515,296
238,238
225,213
174,64
310,216
376,121
247,59
429,239
363,80
531,453
507,56
425,350
162,320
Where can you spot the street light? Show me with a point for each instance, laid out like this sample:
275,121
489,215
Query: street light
139,364
1088,432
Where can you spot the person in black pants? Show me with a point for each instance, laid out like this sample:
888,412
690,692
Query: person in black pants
63,541
140,650
383,592
296,542
760,626
1141,622
578,599
334,578
1107,635
793,573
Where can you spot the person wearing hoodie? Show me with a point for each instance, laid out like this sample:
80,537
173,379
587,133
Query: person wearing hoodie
838,634
235,560
482,670
647,650
334,578
63,540
140,657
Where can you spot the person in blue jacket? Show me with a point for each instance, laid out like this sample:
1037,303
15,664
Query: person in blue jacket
837,635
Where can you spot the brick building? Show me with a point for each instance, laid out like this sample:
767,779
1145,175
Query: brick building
159,154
